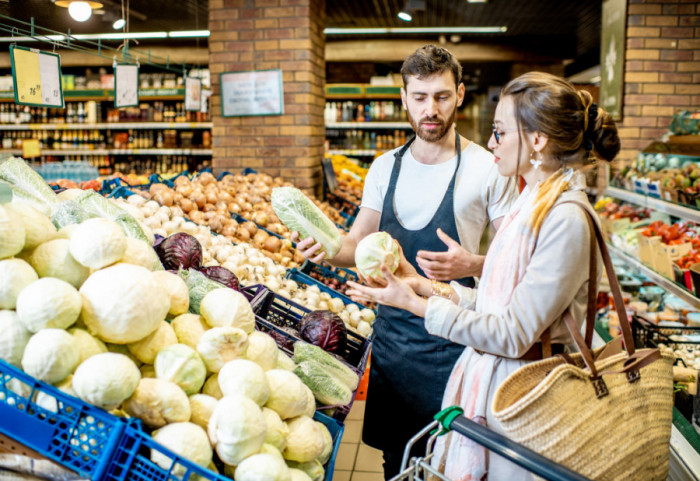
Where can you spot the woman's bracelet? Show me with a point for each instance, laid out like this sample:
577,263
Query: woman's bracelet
440,289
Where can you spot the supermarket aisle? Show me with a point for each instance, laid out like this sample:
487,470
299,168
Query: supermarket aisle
356,461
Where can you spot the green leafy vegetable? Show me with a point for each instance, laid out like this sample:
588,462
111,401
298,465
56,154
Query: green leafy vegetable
300,214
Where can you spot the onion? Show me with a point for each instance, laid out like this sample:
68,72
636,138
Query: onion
155,188
197,216
260,237
212,198
206,178
220,205
260,218
209,207
242,233
163,197
250,227
234,208
272,244
229,230
187,205
198,198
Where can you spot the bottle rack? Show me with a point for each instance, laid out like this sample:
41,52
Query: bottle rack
157,135
363,120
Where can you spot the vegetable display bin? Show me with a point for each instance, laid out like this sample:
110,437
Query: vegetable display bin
60,427
94,443
132,458
276,314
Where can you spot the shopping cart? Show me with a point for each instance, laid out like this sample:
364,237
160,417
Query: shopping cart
451,419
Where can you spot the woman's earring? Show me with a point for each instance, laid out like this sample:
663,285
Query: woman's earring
535,159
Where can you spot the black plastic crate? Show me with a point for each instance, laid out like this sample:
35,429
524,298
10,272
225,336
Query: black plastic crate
647,334
274,313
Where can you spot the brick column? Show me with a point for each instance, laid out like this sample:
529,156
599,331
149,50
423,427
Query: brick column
662,69
261,35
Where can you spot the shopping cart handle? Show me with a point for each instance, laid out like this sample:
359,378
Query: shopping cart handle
445,418
451,419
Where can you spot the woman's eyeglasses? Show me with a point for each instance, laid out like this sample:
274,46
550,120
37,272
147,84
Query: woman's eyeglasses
497,134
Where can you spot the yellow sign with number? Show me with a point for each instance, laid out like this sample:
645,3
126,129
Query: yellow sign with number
36,77
28,76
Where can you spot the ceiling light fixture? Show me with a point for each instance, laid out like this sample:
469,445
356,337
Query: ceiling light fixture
189,34
406,17
477,1
405,30
79,10
119,24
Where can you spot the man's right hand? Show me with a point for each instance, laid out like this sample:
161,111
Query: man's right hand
309,248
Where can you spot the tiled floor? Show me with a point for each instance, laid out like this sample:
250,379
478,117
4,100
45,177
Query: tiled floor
355,460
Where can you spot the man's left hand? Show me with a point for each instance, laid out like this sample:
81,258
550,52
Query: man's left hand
455,263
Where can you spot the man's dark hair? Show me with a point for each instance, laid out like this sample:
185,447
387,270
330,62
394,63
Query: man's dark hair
430,60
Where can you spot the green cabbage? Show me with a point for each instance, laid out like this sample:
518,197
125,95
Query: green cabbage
27,184
198,286
373,251
300,214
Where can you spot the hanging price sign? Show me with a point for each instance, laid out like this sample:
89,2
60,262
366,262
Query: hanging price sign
126,85
36,77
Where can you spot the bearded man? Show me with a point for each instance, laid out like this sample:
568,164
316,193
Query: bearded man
435,195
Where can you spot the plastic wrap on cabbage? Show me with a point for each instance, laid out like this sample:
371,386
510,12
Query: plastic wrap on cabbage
68,213
198,286
27,184
300,214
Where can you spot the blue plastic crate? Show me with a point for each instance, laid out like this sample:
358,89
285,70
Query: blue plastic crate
62,428
274,313
132,458
300,278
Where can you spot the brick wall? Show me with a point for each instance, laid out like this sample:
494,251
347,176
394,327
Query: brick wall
261,35
662,69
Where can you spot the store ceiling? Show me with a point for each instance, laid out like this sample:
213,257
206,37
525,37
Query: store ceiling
565,30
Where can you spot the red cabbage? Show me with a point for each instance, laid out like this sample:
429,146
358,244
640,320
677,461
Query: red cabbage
286,338
222,276
180,250
325,330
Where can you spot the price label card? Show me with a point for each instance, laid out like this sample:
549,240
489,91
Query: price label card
37,77
193,94
31,148
126,85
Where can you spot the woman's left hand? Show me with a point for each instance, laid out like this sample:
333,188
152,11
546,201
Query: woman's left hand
396,293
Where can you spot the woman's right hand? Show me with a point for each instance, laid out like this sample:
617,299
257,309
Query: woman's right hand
309,248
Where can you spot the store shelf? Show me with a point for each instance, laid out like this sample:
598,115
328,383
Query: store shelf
368,125
357,152
108,94
655,277
658,205
116,152
111,126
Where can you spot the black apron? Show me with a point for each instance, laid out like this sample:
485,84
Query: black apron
409,367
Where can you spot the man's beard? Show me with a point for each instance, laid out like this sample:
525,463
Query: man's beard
432,135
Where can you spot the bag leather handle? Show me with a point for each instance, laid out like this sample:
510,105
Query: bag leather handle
584,345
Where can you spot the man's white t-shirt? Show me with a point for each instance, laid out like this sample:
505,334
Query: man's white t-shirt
481,194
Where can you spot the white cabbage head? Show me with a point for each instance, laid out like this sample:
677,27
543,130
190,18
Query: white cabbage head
50,355
185,439
242,376
182,365
236,429
373,251
106,379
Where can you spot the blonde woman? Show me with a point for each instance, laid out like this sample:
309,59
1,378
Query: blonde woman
536,267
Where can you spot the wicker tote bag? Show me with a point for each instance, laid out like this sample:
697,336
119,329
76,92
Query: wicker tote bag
603,413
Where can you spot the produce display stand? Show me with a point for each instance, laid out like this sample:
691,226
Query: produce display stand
274,313
92,442
451,419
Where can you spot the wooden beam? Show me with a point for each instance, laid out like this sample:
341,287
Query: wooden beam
178,56
397,50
